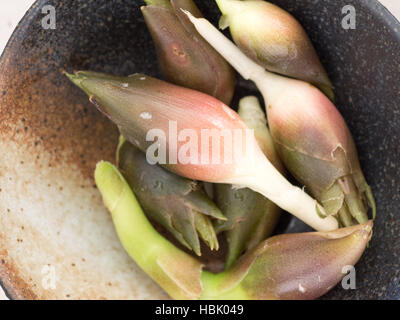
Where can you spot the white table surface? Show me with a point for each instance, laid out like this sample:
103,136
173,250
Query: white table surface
12,11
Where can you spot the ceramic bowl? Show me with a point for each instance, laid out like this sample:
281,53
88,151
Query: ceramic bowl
56,238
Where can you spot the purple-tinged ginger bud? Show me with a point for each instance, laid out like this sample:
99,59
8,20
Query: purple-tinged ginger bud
317,147
251,217
310,135
292,266
177,203
275,40
196,136
164,120
185,58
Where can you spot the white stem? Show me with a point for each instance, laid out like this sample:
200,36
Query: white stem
252,114
268,83
244,65
264,177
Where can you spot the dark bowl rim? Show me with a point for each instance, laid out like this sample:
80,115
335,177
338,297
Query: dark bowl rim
388,18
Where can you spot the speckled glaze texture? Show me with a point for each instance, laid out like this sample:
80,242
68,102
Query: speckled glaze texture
44,116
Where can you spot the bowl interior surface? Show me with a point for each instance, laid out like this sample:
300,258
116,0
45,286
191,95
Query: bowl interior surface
56,238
